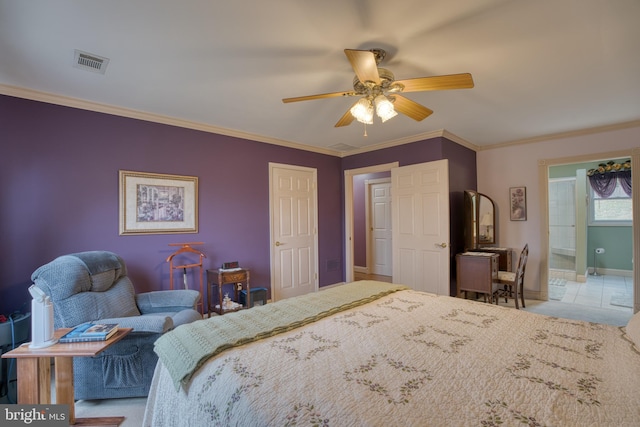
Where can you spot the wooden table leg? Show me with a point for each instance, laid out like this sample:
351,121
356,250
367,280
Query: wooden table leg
64,385
65,395
34,380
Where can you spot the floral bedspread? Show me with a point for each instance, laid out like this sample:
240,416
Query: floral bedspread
414,359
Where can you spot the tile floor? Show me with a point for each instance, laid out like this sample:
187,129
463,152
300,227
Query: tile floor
603,291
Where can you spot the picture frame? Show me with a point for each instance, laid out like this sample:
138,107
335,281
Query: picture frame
518,203
153,203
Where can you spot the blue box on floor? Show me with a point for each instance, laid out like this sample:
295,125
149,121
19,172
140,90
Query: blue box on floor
258,297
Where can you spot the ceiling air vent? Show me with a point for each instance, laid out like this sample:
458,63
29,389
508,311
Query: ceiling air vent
90,62
342,147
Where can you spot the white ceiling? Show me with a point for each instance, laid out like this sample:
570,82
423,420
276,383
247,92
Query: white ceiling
540,67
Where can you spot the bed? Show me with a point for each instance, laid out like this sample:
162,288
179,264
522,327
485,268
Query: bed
375,354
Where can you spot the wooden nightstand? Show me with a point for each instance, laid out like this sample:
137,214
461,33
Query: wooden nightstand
219,279
34,372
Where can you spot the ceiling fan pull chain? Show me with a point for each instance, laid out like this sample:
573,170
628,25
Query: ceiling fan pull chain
365,129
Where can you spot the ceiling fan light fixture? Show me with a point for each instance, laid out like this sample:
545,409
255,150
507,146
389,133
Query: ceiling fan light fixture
362,111
384,108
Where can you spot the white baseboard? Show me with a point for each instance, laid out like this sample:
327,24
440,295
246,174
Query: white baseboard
535,295
612,272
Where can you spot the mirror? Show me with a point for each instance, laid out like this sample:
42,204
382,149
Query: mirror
479,220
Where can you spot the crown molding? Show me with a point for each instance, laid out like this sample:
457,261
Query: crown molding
414,138
568,134
65,101
461,141
51,98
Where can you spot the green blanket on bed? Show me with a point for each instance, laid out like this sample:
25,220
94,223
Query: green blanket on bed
185,349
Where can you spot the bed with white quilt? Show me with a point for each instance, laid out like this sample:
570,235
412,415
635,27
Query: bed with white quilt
376,354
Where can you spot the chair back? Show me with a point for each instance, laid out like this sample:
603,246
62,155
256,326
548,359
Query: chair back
87,286
522,264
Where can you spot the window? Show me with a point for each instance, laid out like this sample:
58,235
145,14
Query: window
614,210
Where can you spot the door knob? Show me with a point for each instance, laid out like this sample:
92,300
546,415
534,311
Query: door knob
442,245
278,243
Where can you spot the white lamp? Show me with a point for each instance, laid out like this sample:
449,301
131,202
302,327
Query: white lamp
362,111
384,108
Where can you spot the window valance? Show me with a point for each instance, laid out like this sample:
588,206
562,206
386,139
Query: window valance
605,177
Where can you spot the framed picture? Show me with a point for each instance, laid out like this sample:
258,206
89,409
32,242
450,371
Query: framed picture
152,203
518,203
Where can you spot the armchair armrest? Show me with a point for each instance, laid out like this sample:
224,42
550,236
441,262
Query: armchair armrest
149,323
167,301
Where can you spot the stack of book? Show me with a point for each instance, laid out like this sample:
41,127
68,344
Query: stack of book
90,332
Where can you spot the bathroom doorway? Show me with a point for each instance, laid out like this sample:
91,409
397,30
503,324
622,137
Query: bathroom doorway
575,275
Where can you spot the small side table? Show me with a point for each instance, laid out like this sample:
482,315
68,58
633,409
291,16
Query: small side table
34,373
216,279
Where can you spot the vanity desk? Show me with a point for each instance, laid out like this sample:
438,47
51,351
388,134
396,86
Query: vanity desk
504,254
477,272
477,268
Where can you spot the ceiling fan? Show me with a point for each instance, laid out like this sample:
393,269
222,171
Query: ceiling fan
378,90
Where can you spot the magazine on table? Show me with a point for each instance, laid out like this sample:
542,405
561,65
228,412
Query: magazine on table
90,332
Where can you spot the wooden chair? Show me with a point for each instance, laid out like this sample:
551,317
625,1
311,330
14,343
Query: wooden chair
513,282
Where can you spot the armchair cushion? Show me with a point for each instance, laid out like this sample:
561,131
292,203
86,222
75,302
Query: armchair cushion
154,323
167,301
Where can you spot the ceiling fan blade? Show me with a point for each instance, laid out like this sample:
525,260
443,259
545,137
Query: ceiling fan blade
319,96
451,81
345,120
411,108
364,64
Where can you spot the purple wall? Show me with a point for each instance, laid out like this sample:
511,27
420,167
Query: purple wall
59,194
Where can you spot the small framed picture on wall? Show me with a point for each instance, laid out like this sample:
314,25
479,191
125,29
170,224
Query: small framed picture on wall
518,203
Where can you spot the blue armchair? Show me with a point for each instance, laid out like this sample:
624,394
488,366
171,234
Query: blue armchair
94,287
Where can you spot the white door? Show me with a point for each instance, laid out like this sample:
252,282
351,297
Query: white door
294,243
380,229
420,218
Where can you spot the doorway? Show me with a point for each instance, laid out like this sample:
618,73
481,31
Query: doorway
565,274
420,215
350,176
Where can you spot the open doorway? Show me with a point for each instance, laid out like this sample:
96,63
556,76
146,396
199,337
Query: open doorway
421,226
576,272
372,227
353,205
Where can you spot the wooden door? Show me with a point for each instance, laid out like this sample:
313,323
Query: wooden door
380,228
294,243
420,220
